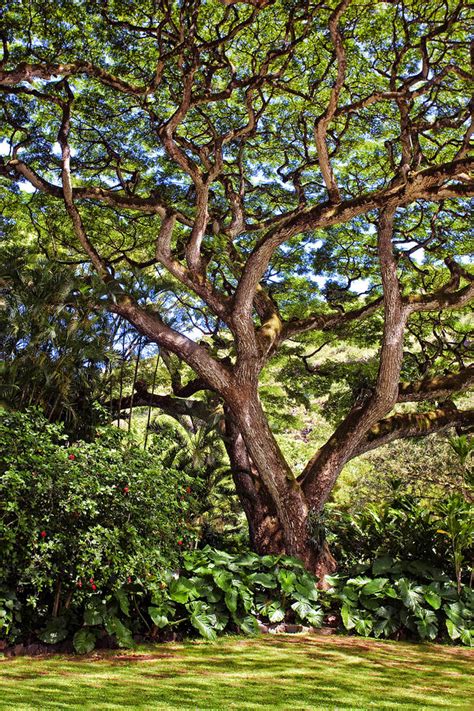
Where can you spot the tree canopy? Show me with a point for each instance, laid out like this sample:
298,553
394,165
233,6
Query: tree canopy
248,181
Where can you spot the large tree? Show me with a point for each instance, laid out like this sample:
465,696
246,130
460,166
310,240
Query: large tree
293,172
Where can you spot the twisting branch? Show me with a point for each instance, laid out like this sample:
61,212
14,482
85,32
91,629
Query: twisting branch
321,124
72,210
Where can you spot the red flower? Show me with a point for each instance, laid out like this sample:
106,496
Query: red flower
129,580
43,534
180,543
72,457
94,587
91,580
188,489
79,583
126,489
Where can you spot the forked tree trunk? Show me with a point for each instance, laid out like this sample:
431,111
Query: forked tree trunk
275,505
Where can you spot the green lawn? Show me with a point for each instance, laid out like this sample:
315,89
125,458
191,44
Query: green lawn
291,673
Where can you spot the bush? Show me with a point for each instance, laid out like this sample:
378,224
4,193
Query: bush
76,520
404,598
405,528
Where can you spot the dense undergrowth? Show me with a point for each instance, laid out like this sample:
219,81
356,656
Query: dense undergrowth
101,540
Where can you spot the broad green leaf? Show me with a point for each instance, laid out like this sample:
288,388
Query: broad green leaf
114,626
409,594
231,599
467,637
84,641
374,586
53,634
94,613
347,617
122,599
433,599
382,565
287,580
363,626
453,631
275,612
247,625
266,580
181,590
157,617
204,623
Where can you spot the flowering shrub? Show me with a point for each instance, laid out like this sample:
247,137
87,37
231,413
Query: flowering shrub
84,518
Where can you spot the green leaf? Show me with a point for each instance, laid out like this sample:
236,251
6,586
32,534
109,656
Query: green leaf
266,580
385,628
122,598
364,625
316,616
247,625
358,582
306,586
457,613
204,621
275,612
181,590
94,613
382,565
54,632
409,594
374,586
453,631
467,637
222,620
287,580
347,617
84,641
427,630
157,616
115,627
231,599
223,579
432,598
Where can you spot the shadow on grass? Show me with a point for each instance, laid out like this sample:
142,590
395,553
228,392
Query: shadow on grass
236,673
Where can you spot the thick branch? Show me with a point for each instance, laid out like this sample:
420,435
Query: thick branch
28,72
426,184
176,407
414,425
323,469
436,388
214,373
71,208
16,169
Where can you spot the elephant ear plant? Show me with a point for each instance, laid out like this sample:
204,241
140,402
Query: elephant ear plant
220,590
393,599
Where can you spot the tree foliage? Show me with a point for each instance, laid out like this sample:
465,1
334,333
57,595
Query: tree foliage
272,175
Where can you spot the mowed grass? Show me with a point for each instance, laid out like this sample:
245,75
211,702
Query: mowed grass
291,673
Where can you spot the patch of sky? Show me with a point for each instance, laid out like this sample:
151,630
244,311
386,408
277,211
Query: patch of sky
4,147
56,149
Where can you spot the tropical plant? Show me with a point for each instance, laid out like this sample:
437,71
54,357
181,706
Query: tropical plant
394,598
81,518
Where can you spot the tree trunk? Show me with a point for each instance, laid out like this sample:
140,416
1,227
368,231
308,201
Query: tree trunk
274,503
266,534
